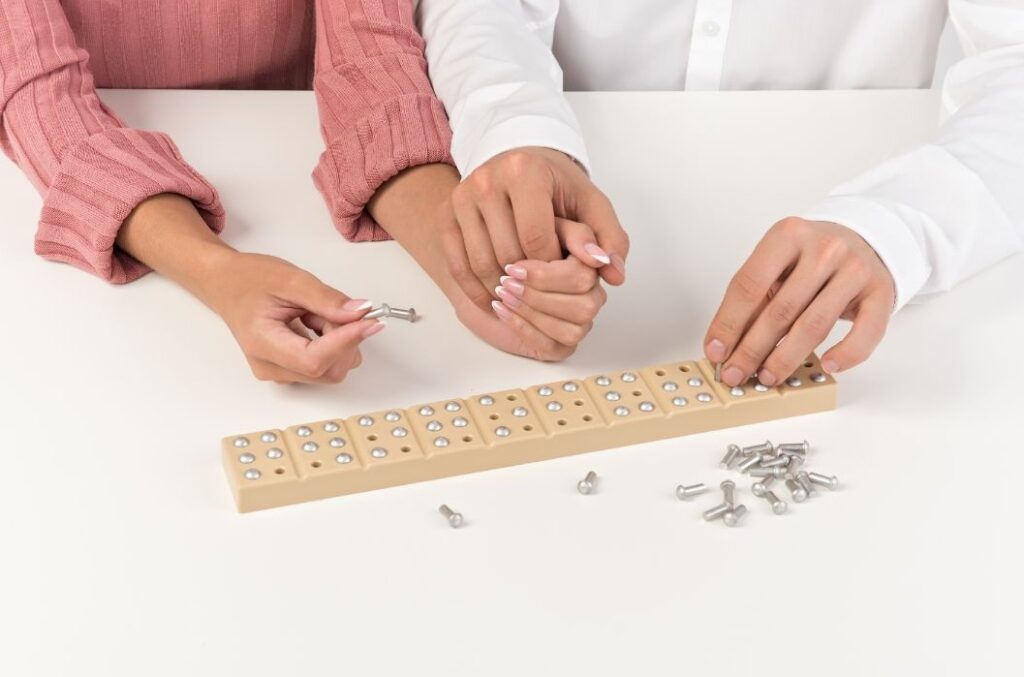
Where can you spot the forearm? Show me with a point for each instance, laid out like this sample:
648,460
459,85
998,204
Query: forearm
408,206
167,233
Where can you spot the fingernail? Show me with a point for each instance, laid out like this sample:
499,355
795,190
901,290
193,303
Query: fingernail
619,263
375,328
500,310
514,286
733,376
515,271
766,377
510,299
830,366
357,304
716,351
598,254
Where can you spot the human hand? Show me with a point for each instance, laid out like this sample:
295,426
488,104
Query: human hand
801,279
505,211
292,327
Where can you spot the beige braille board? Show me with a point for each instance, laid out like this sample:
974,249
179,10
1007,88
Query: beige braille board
317,460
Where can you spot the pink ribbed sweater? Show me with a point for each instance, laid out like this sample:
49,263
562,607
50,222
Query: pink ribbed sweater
378,112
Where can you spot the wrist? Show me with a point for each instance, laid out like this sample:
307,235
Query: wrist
167,233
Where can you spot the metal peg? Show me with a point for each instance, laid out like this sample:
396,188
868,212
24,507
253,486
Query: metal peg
454,518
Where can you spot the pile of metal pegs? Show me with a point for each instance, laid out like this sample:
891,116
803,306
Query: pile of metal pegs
768,464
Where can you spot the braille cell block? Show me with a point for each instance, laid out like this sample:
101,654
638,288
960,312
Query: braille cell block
681,389
444,427
256,462
506,417
384,438
321,448
623,398
565,408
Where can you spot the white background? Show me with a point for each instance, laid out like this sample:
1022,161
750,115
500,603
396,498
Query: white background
122,553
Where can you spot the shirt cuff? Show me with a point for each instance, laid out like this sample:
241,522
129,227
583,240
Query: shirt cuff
99,182
886,231
406,131
517,132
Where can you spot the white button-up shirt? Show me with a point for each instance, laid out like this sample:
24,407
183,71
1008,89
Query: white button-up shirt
935,215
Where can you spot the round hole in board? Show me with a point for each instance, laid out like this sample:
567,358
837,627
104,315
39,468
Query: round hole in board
278,471
660,372
511,398
527,428
578,403
562,421
316,464
494,417
588,418
683,368
637,393
808,364
406,450
372,438
467,438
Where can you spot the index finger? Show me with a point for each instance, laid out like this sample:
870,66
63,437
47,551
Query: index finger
746,293
596,210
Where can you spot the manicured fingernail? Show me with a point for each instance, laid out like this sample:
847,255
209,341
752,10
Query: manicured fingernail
375,328
766,377
357,304
598,254
510,299
733,376
619,263
515,271
830,366
514,286
716,351
500,310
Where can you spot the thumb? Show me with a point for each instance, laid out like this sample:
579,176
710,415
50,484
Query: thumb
579,239
596,211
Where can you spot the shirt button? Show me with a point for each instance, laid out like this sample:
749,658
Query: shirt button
710,28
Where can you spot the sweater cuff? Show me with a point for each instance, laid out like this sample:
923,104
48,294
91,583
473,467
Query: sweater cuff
99,182
882,226
405,131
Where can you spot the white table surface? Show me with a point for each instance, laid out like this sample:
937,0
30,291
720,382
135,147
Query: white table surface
122,553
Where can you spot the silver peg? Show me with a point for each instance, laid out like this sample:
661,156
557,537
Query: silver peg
384,310
716,512
728,491
798,492
733,517
454,518
778,505
731,454
795,447
760,488
801,479
830,481
778,472
764,448
775,462
685,491
749,463
587,484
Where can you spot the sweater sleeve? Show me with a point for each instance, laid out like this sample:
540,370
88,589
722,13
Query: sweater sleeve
91,170
378,112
